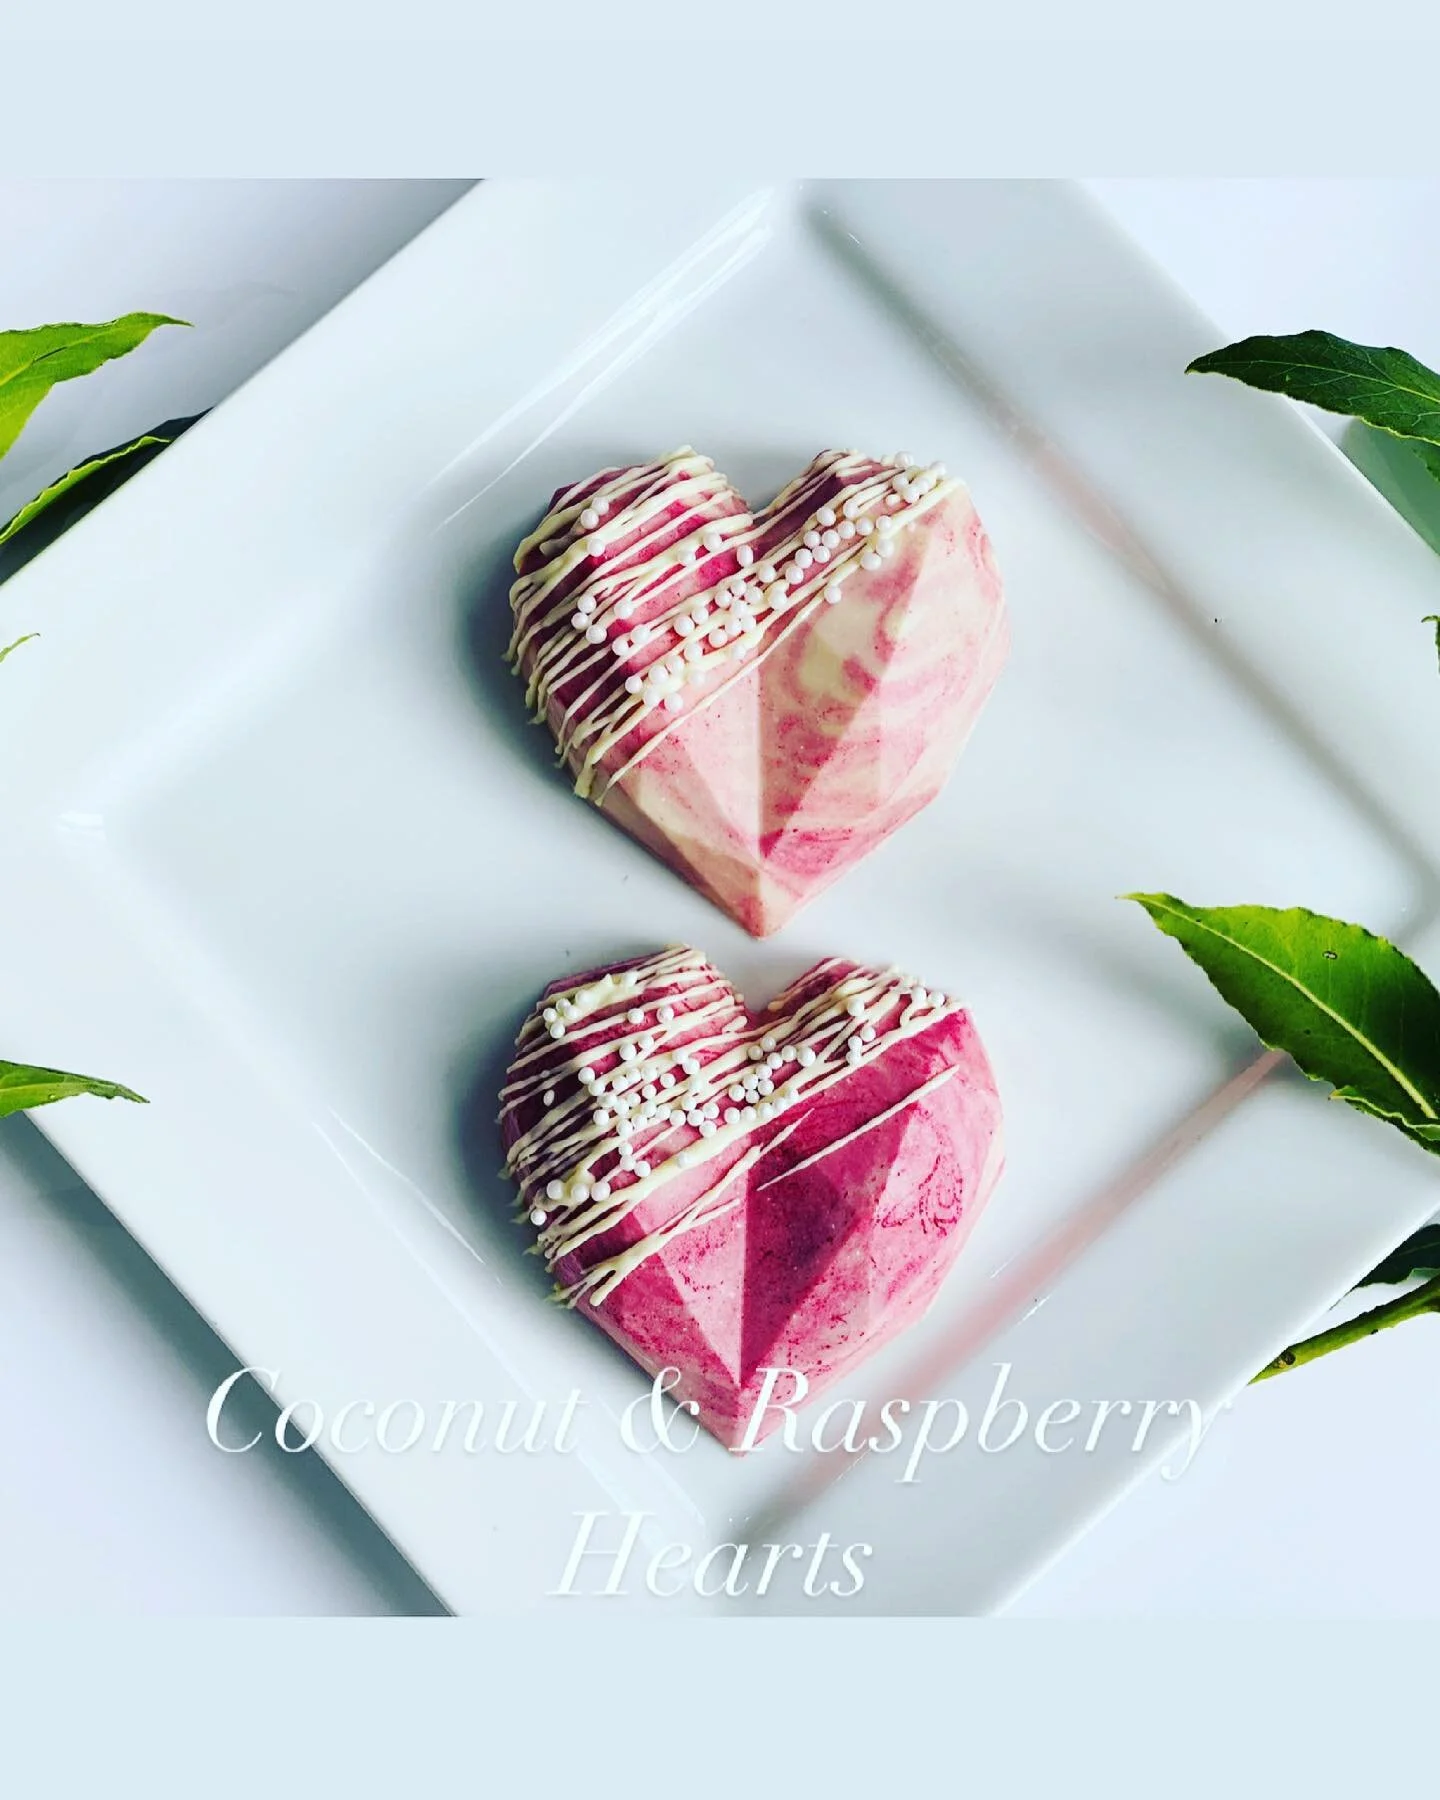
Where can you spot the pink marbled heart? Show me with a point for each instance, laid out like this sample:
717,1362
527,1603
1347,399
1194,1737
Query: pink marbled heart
710,698
800,1224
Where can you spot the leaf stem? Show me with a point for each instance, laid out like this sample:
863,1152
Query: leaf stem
1380,1318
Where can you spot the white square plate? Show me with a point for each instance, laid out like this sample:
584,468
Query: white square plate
280,851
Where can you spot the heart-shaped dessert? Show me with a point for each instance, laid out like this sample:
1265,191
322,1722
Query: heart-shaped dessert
726,1193
760,698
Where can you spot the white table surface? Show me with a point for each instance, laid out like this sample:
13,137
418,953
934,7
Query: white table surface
1313,1495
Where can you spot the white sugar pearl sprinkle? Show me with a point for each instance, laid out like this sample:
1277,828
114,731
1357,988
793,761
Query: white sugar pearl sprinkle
624,609
580,1192
767,1043
577,620
937,999
587,603
673,702
867,1032
833,592
635,1016
826,515
755,1053
822,555
765,1087
830,540
548,1097
856,1009
735,1092
585,1075
649,1091
708,1128
684,625
845,530
745,556
589,519
633,684
683,1159
865,526
765,573
557,1032
600,1191
549,1015
595,635
642,1168
595,545
555,1190
869,560
747,1116
886,547
600,1119
667,1080
805,1057
628,1053
803,559
713,540
773,1060
732,1115
812,540
885,526
693,652
717,638
893,500
665,1014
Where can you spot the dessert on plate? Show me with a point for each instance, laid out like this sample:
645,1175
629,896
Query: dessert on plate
726,1192
759,698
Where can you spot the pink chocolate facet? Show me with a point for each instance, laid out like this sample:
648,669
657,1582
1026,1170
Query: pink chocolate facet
851,1201
796,756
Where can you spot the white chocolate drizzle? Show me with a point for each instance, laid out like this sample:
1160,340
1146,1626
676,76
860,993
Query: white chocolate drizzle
634,1077
641,590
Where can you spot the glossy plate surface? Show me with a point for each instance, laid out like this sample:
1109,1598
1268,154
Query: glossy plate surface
280,851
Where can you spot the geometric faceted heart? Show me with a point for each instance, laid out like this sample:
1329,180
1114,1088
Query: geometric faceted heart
759,698
726,1193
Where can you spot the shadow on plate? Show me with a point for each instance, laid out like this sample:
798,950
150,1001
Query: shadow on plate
203,1360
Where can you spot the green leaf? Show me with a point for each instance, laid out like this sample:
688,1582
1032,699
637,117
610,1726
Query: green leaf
72,479
1418,1255
1385,387
33,361
1349,1007
22,1087
29,635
